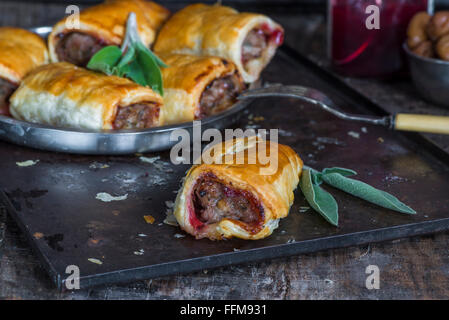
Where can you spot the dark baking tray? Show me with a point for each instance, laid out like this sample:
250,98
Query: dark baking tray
54,201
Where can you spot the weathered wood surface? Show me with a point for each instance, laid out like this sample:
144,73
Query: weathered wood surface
416,268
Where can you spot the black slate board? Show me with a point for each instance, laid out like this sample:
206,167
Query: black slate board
54,201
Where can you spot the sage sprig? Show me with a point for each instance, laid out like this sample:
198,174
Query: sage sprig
323,202
133,60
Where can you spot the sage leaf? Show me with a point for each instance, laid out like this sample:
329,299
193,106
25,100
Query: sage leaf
365,191
319,199
150,69
105,59
343,171
130,54
133,71
316,177
154,56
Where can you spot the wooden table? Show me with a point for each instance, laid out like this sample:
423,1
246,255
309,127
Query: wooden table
415,268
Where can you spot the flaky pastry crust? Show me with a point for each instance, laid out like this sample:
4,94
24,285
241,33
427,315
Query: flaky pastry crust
64,95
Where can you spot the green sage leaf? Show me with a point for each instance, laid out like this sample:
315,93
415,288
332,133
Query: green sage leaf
129,55
319,199
316,177
153,55
105,59
150,69
133,71
343,171
365,191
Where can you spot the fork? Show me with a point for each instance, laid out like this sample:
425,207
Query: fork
400,121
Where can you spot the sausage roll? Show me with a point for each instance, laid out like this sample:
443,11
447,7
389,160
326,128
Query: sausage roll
64,95
21,51
230,199
247,39
102,25
196,87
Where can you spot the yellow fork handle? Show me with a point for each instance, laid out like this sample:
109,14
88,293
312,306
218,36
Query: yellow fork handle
421,123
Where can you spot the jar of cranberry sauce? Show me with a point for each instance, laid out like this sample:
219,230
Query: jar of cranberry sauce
365,37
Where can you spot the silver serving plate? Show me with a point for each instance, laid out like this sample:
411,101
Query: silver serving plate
106,142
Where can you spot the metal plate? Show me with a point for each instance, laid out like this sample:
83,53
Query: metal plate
106,142
54,201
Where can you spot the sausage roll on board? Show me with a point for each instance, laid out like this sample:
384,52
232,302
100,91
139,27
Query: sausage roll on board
63,95
102,25
196,87
228,200
20,52
247,39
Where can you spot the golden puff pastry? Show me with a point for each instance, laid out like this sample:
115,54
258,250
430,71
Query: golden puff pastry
247,39
238,198
64,95
102,25
196,87
21,52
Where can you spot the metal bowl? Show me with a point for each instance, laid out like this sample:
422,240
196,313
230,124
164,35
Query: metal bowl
430,76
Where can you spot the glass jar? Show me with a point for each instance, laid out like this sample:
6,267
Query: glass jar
365,37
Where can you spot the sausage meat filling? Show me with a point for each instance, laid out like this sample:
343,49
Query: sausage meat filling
214,201
253,45
257,42
78,48
6,90
219,95
137,116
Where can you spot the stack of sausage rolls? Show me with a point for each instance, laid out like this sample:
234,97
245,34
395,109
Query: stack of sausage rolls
212,52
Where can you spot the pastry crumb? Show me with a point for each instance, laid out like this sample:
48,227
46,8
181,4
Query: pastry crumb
149,160
106,197
304,209
97,165
140,252
96,261
149,219
354,134
38,235
27,163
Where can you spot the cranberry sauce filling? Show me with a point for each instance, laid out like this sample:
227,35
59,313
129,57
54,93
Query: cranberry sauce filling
219,95
257,40
6,90
137,116
213,201
77,47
